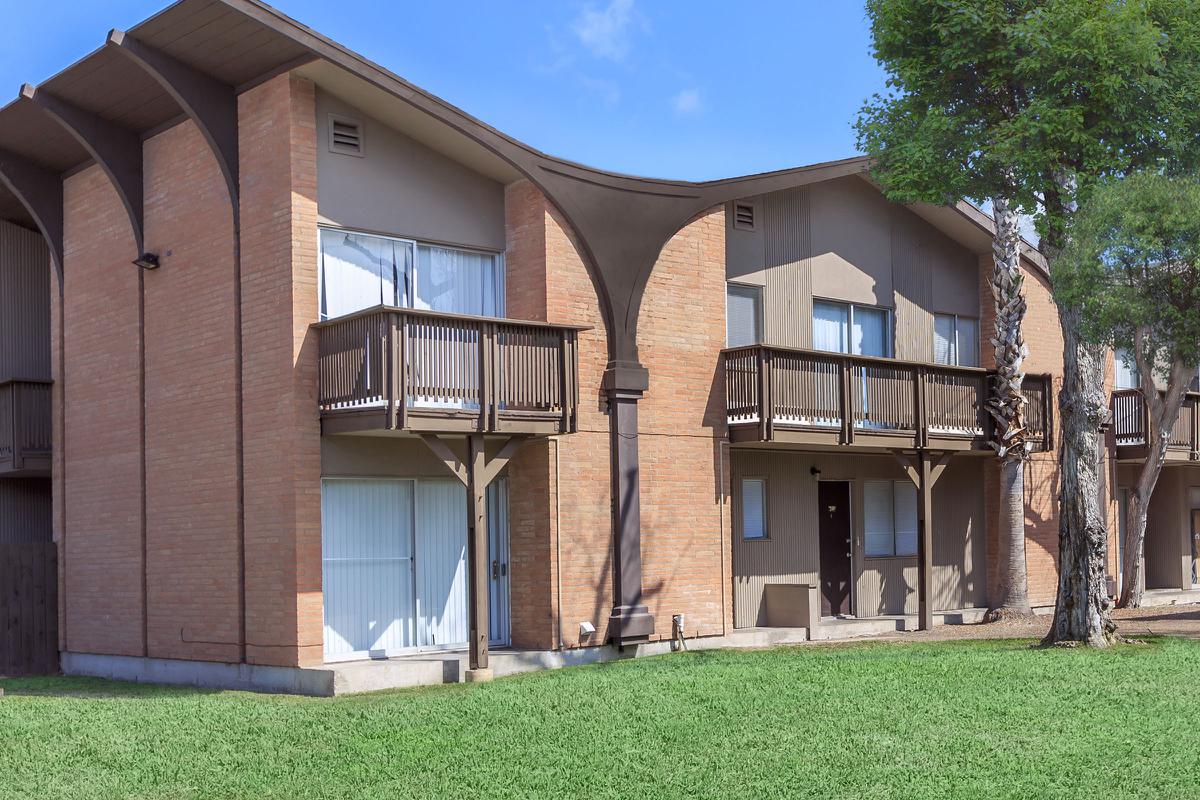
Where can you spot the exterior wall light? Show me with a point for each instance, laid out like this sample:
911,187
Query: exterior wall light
147,261
816,473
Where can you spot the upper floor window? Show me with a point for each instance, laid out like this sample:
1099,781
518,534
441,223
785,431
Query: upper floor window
360,270
743,315
955,340
1126,369
851,328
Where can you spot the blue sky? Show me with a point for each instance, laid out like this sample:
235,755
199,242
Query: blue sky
689,89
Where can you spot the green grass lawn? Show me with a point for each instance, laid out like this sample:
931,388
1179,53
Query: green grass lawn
962,719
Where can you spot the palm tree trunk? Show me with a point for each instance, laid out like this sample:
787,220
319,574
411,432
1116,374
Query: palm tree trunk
1007,408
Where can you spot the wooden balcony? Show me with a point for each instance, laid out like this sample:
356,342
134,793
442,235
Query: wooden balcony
26,443
1131,422
405,370
815,398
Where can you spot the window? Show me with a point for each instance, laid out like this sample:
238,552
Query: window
1126,369
754,508
743,315
955,340
890,518
850,328
359,271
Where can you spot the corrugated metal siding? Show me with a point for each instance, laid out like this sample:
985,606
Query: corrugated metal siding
791,553
441,563
1163,547
912,278
367,566
24,303
25,516
787,243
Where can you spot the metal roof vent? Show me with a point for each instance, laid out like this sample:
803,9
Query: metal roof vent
345,136
743,215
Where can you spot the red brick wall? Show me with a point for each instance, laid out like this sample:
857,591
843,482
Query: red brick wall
191,403
684,518
103,546
277,140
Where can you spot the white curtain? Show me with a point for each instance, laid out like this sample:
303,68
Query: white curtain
459,282
742,315
944,345
359,271
870,332
829,326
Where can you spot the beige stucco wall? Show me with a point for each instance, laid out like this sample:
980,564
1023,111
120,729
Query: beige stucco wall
1168,546
402,188
842,240
791,551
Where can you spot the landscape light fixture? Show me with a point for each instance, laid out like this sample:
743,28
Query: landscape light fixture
147,261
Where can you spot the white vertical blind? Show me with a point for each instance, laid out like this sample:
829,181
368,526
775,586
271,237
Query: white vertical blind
367,568
359,271
944,345
754,508
1127,374
830,322
459,281
441,557
906,518
879,518
743,312
968,342
870,334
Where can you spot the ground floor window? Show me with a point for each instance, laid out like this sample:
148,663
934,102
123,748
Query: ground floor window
394,565
754,508
890,518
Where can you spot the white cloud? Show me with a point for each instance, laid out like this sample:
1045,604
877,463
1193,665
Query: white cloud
605,32
687,102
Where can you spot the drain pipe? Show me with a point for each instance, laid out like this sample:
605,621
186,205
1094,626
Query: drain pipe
558,540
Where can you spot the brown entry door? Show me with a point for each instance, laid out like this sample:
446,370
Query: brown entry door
833,498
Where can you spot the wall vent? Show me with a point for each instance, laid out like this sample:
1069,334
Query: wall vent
345,136
743,215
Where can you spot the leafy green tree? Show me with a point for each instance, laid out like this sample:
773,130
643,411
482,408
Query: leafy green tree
1133,268
1032,102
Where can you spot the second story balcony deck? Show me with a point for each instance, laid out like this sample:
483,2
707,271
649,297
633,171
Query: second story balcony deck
407,370
816,398
1131,424
25,428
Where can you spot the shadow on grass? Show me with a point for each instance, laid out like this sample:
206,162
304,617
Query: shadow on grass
94,688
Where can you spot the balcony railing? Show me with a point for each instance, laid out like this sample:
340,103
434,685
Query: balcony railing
25,428
426,371
1131,422
776,393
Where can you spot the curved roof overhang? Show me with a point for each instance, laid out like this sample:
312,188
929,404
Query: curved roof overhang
620,222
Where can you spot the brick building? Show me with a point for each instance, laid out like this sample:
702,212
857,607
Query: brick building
344,379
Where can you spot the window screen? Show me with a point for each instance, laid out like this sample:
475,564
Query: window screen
754,508
743,315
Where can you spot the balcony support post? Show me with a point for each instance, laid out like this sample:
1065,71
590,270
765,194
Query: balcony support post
476,473
630,620
924,470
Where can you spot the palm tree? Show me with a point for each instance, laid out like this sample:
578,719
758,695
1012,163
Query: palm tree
1007,408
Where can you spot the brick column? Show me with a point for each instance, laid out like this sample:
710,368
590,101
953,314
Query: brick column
282,438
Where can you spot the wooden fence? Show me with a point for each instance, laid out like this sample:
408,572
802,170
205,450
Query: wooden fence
28,609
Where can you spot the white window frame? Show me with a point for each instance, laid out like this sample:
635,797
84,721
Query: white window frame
958,340
889,324
410,299
758,306
895,526
766,532
1129,367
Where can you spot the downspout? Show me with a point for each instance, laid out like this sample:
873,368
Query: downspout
558,542
721,495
